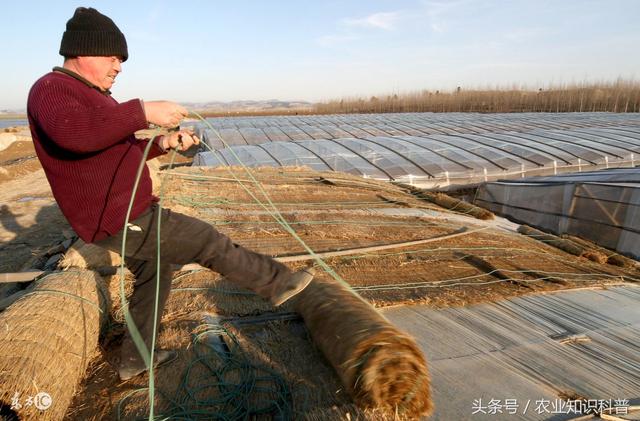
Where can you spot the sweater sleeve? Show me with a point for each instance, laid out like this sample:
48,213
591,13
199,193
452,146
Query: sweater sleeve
79,127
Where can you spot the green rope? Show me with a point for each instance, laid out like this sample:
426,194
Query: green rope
240,384
333,222
280,406
455,281
545,254
243,390
63,293
157,295
40,280
233,397
146,354
184,275
274,212
214,289
222,201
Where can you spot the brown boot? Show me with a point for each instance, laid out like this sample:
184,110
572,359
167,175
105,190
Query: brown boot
292,286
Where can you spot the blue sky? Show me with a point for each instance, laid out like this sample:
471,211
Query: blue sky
316,50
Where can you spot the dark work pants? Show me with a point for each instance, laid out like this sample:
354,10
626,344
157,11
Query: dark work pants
183,240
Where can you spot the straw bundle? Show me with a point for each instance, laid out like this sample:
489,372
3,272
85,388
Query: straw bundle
622,261
88,256
569,246
445,201
380,366
603,254
46,341
457,205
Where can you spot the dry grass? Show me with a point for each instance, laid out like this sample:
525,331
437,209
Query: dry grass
495,265
617,96
88,256
47,340
380,366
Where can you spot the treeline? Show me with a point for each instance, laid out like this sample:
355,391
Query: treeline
257,113
622,96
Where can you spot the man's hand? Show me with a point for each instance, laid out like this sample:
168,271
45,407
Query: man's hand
164,113
181,140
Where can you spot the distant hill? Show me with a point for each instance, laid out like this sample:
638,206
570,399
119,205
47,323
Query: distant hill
249,105
242,105
13,114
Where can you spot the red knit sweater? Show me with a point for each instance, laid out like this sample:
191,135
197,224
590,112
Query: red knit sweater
84,140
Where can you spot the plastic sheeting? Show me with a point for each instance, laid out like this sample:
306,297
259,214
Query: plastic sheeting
602,206
416,124
430,161
533,351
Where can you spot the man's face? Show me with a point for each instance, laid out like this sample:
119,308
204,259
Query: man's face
101,71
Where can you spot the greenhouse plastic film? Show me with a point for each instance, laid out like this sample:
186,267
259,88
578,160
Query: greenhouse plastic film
607,213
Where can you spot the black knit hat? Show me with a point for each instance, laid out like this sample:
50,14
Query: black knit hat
90,33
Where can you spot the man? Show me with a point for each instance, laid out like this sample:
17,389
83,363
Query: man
85,142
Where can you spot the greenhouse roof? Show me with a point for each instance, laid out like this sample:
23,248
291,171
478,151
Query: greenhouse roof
428,150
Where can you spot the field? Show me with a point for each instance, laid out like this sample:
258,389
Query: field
486,261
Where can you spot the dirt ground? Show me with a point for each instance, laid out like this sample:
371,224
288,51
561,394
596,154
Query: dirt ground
30,220
262,358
